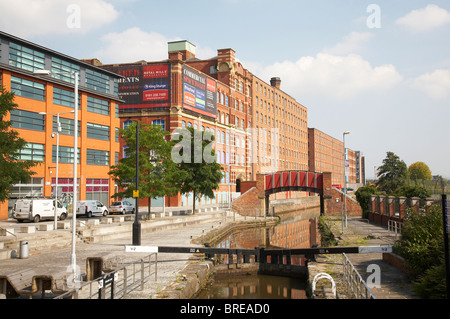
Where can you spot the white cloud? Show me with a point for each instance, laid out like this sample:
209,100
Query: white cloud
435,84
134,44
350,44
332,76
425,19
41,17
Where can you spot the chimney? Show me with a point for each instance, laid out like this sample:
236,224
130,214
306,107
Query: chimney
181,50
275,82
226,55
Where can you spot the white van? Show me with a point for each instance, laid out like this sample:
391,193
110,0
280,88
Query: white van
91,208
36,209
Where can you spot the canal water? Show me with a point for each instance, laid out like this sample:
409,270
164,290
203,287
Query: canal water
293,231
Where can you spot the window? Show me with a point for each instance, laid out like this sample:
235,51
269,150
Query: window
126,124
97,189
117,110
97,105
25,58
97,131
67,127
97,81
65,154
161,123
65,97
28,89
27,120
64,70
117,134
97,157
32,152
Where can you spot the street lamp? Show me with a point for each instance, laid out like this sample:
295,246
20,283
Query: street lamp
58,129
73,258
345,185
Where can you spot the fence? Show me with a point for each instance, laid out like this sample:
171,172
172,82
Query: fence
355,284
118,283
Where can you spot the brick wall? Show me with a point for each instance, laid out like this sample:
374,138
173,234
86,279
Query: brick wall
334,205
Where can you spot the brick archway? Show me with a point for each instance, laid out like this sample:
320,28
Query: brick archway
256,194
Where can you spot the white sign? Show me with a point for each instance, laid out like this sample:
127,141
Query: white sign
374,249
141,249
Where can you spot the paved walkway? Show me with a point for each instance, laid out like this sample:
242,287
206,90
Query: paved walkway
394,284
56,261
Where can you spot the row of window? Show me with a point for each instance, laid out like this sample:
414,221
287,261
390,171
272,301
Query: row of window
35,121
222,137
29,59
36,152
35,90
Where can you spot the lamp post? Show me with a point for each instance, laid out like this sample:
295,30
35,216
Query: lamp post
345,185
58,129
73,262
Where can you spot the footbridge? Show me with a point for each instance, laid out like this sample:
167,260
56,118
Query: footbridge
257,192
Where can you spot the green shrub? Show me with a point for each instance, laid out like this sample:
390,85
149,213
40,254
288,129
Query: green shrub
363,195
422,246
412,191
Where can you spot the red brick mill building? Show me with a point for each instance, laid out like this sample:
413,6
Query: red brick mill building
258,127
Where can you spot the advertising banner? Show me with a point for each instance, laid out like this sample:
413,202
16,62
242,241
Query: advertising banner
199,93
143,86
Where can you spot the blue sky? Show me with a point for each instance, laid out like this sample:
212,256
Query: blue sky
381,72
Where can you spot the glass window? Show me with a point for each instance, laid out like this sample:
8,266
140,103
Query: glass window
25,58
97,131
65,97
126,124
97,81
27,88
97,105
67,127
65,154
32,152
97,157
63,70
97,189
27,120
161,123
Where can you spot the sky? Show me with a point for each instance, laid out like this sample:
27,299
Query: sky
379,69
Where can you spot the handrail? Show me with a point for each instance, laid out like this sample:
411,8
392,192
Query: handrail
8,232
132,277
348,197
354,280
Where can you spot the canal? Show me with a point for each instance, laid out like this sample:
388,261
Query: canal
295,230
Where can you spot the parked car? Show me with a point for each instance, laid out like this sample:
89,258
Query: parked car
36,209
122,207
91,208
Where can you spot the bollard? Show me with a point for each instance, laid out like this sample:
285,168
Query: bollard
23,249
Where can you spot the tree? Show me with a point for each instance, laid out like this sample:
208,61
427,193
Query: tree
392,174
158,174
419,170
195,156
12,169
363,195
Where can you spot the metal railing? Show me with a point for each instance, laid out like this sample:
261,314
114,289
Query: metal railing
395,226
355,284
118,283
